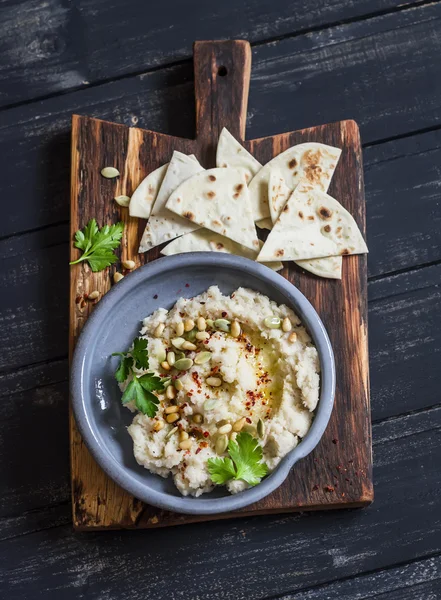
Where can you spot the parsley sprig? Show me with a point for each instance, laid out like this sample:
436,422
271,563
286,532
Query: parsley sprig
98,244
244,462
140,389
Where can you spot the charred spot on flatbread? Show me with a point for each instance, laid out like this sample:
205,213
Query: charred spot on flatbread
324,213
301,214
212,178
292,163
219,246
311,218
178,200
217,223
280,252
210,195
239,187
286,208
344,251
312,169
188,215
256,243
327,228
151,189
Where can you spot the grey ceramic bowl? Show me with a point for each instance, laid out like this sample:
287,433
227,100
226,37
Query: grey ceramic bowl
114,323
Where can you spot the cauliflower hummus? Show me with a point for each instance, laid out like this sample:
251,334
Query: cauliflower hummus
238,363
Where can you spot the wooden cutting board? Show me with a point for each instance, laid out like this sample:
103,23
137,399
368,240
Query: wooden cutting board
338,473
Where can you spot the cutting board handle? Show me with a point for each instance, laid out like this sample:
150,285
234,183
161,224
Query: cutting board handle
222,80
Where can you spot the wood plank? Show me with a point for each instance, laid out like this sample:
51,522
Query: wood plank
52,48
254,558
34,141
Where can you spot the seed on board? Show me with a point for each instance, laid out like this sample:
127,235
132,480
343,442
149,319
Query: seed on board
197,418
158,426
171,418
202,358
93,295
159,330
188,346
209,323
109,172
117,277
165,365
225,428
235,329
292,337
201,324
202,335
129,264
186,444
179,329
260,428
170,392
272,322
171,358
171,432
238,425
183,364
213,381
179,385
222,324
210,404
122,200
286,325
177,342
188,324
221,444
183,435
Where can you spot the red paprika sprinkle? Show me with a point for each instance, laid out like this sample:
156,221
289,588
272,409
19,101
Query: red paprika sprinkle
329,488
335,441
198,450
187,285
315,487
206,434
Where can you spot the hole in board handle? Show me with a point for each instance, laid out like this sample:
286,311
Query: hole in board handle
222,71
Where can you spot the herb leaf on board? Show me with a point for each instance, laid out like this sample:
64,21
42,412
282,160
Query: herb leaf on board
98,244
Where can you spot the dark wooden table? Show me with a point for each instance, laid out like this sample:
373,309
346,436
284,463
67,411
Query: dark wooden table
314,61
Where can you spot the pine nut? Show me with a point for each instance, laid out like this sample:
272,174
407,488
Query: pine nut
179,385
286,325
128,264
179,329
171,358
159,330
117,277
197,418
177,342
93,295
213,381
158,426
171,409
235,329
172,418
293,337
233,436
185,445
237,426
170,393
221,444
188,346
188,324
225,428
201,324
183,435
165,366
202,335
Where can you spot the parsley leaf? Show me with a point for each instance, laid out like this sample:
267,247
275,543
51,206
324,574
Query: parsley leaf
140,353
145,401
125,367
245,462
98,244
152,383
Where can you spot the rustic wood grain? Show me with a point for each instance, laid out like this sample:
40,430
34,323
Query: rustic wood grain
53,48
222,75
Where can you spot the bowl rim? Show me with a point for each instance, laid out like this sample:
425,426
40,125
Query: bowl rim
203,505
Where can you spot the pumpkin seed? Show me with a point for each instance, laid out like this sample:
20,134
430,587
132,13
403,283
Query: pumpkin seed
171,358
121,200
260,428
166,382
210,404
109,172
272,322
209,323
183,364
171,432
202,358
248,428
177,342
222,324
179,385
179,355
191,335
221,444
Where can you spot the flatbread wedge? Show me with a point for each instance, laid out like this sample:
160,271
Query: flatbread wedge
144,196
218,200
163,225
230,153
312,225
311,161
278,194
204,240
